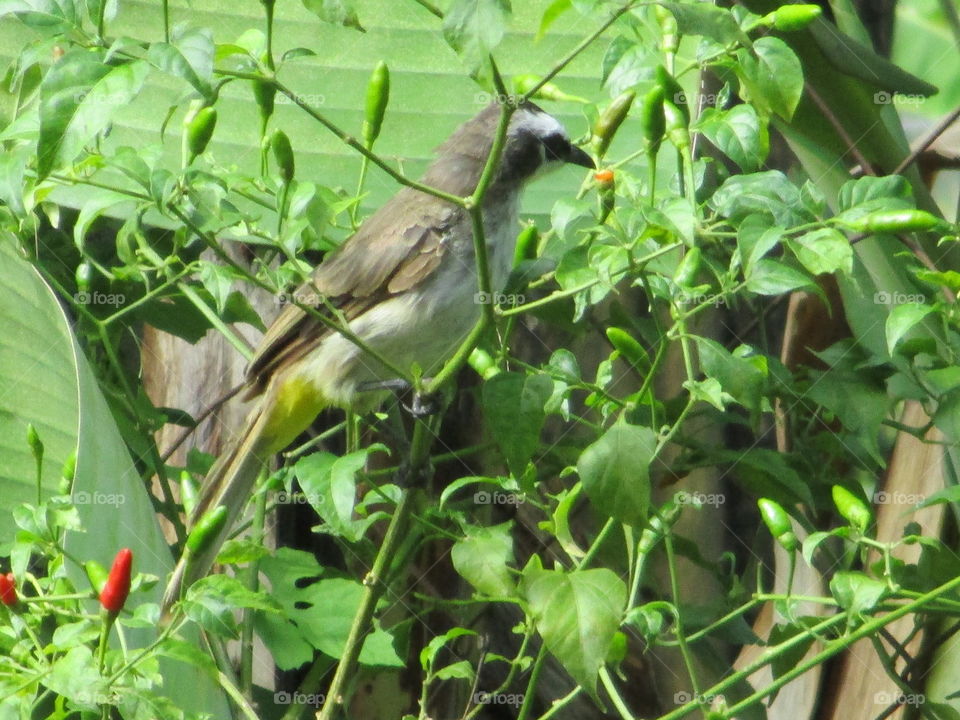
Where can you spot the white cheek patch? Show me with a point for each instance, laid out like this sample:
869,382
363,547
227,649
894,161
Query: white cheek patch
538,124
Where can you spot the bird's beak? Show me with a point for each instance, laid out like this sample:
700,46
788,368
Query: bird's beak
579,157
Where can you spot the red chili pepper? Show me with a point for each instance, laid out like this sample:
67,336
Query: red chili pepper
8,590
117,587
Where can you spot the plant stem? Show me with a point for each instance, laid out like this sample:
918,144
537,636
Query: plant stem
372,590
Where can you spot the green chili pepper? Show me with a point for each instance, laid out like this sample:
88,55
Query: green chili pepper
200,129
188,492
283,154
610,121
483,363
526,248
673,92
84,276
96,574
789,18
206,530
67,472
378,94
630,350
669,33
264,93
676,126
652,120
893,221
851,508
686,273
36,445
778,523
522,84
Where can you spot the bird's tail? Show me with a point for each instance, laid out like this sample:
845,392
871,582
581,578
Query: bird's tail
229,483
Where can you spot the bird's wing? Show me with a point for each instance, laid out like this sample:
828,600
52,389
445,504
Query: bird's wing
362,272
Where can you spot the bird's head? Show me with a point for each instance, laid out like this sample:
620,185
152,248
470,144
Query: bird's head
536,142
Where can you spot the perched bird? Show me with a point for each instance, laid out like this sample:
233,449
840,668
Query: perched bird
405,282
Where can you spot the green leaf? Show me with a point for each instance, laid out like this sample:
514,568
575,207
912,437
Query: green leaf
337,12
513,406
700,18
283,638
475,27
615,471
322,611
550,15
767,193
577,614
189,57
770,277
825,250
737,376
857,592
772,76
483,558
902,319
78,98
48,16
755,238
429,653
329,484
738,133
74,676
869,189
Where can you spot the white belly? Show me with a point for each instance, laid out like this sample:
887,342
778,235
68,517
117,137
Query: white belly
421,327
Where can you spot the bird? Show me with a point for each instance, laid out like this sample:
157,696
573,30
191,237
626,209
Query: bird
406,285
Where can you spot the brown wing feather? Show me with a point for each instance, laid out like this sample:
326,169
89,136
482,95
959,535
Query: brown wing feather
379,260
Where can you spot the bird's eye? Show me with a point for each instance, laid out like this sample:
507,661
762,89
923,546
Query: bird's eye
556,147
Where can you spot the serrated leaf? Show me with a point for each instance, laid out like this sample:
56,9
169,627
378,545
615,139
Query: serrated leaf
615,471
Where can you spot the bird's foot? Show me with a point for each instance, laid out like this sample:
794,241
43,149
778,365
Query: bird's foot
423,404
